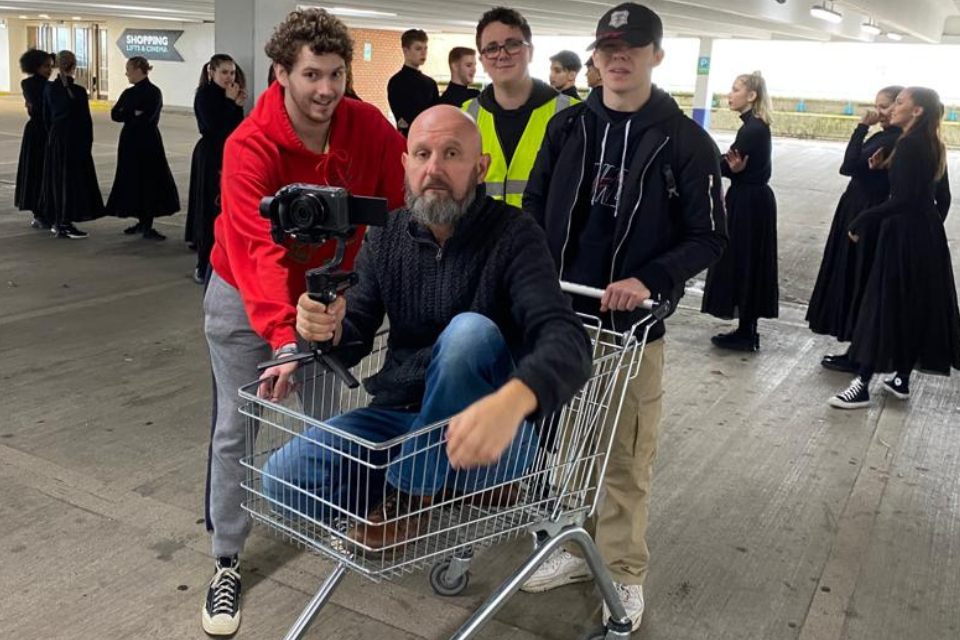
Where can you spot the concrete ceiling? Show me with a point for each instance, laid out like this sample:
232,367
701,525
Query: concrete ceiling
919,20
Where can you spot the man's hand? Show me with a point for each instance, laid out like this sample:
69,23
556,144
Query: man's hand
735,161
275,384
318,322
870,117
480,434
624,295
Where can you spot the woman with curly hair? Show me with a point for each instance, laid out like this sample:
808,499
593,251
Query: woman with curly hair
38,65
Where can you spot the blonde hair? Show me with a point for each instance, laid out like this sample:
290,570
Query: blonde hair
762,106
66,62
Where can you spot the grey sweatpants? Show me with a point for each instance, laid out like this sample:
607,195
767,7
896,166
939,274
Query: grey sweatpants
235,351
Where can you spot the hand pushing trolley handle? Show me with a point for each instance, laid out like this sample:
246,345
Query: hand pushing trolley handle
657,309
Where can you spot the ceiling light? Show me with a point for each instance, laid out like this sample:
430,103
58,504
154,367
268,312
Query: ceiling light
896,37
871,27
825,11
360,13
44,16
77,18
23,17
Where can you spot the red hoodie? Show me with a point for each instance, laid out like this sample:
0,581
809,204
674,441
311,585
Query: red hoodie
265,154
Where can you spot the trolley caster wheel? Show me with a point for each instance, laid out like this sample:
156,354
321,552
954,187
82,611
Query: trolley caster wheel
444,587
598,634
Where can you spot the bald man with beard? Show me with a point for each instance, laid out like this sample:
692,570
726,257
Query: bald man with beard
480,334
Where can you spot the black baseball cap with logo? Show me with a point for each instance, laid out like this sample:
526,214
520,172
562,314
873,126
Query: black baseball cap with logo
632,23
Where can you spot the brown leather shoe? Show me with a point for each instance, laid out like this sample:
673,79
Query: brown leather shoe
498,498
390,526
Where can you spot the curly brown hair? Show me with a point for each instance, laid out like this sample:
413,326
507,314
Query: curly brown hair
322,32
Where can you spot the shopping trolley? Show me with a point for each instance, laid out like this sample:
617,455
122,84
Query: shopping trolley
326,489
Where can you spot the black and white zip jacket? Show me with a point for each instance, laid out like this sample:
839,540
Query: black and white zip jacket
661,187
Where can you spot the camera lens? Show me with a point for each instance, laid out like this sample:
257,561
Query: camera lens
308,212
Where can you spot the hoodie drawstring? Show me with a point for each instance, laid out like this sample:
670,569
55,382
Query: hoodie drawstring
603,155
623,169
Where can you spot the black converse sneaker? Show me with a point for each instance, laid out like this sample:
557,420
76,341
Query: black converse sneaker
897,387
221,611
856,396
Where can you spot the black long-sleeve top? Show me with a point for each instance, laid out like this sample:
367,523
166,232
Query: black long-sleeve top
856,159
68,104
217,115
410,93
913,186
33,89
139,105
754,142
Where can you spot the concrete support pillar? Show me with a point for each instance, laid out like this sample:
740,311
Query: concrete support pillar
243,28
703,96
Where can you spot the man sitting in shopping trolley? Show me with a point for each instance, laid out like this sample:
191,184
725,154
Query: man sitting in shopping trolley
481,335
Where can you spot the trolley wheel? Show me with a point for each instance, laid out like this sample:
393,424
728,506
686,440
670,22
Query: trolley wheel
443,587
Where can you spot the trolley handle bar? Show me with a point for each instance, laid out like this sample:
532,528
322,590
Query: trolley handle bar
593,292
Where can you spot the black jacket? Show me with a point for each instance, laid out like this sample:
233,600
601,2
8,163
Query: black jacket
856,159
670,224
495,264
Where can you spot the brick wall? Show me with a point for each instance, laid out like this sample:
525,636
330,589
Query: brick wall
370,76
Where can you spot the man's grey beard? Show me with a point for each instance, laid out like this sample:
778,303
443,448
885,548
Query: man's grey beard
439,211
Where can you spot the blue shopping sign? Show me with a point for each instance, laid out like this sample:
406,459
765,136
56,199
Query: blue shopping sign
152,44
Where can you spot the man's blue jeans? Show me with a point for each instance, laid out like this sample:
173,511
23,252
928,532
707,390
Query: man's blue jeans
322,475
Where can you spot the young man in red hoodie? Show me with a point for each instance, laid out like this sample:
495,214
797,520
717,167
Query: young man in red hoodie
301,130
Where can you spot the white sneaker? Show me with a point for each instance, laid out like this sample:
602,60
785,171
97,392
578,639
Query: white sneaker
631,595
561,568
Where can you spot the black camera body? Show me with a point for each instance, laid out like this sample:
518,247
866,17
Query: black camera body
314,214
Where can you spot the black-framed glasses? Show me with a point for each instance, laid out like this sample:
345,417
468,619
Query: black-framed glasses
512,47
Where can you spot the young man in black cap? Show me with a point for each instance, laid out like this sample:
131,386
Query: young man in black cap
628,190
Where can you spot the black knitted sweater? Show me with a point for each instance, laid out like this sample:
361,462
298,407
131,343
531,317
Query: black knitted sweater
496,264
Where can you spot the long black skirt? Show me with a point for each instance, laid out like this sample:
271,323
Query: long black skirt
743,283
205,168
71,192
30,168
908,319
143,184
844,269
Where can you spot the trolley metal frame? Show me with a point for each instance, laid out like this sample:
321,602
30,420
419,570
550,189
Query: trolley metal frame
315,484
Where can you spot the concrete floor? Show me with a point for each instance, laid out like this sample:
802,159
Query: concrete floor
774,517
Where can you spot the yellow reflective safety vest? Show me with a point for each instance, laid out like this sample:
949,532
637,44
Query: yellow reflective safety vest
509,182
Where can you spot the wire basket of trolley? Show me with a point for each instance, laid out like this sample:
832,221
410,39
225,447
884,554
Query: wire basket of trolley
385,507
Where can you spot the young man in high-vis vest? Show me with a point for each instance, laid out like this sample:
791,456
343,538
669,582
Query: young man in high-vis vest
512,113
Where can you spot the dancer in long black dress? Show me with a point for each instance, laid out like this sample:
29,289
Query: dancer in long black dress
70,191
143,186
743,284
38,65
908,318
218,106
845,265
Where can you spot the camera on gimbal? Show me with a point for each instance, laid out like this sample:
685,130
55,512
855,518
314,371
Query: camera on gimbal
315,214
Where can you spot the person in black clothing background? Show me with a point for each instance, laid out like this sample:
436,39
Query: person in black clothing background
70,191
143,186
409,91
594,81
564,67
38,65
218,107
743,284
908,318
835,299
463,67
